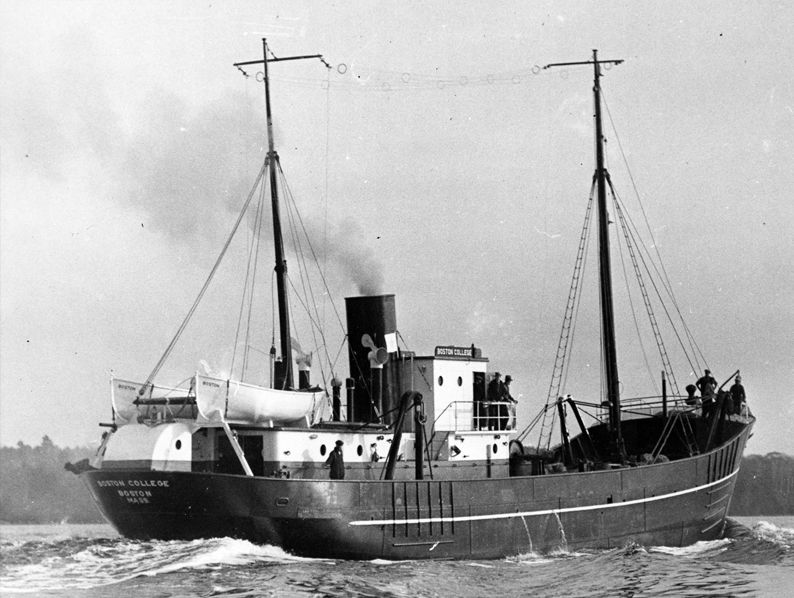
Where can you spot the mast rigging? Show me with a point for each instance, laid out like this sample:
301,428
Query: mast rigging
284,376
605,271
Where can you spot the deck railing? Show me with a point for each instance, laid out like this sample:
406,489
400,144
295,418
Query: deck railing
465,416
652,406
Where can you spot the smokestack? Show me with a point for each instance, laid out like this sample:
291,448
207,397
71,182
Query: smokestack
371,336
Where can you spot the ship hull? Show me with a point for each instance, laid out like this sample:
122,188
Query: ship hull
672,504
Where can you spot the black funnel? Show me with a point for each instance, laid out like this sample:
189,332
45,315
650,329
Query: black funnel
369,320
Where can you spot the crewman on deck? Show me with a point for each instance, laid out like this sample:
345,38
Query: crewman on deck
481,409
336,462
738,396
493,397
707,386
504,398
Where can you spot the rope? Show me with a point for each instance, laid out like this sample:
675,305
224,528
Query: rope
310,307
325,188
668,368
665,279
567,330
634,313
640,244
313,254
253,255
662,303
206,285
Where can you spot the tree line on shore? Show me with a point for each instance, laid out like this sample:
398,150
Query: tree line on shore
35,487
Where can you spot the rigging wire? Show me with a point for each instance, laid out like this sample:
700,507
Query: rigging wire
258,221
576,310
204,288
663,275
559,371
314,256
325,187
668,368
574,318
309,305
631,302
304,297
649,310
666,311
243,299
694,351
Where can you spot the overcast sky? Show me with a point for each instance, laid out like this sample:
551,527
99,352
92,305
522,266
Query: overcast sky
435,157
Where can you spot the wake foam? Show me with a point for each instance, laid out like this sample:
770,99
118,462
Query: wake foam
89,563
769,532
538,558
704,547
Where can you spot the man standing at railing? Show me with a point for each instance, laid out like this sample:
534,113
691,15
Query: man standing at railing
480,408
737,393
505,408
707,385
494,388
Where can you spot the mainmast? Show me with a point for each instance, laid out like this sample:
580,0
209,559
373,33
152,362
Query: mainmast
604,265
605,270
284,378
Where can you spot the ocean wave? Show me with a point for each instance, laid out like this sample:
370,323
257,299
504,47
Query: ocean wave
82,563
769,532
531,558
704,547
537,558
229,567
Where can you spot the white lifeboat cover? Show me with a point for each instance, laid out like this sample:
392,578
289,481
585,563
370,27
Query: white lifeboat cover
124,393
221,400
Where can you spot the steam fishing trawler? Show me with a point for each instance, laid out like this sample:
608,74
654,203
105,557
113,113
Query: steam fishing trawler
429,471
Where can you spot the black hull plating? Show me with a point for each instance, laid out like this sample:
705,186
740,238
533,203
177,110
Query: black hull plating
673,504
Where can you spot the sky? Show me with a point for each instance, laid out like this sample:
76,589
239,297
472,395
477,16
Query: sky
434,160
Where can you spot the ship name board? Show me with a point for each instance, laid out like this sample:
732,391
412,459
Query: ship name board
136,492
453,352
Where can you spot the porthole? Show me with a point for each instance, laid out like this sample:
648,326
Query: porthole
360,450
178,444
441,380
460,381
322,450
494,448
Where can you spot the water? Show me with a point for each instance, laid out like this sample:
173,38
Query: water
755,559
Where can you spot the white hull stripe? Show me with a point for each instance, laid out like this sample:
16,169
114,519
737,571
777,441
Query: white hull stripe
543,512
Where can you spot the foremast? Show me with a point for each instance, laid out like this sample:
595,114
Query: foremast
608,343
284,377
